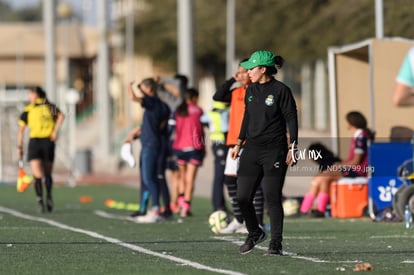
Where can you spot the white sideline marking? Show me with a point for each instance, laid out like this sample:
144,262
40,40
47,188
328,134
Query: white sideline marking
309,238
118,242
392,237
107,215
290,254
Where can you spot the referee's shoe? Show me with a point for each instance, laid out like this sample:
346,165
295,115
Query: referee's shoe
251,240
49,204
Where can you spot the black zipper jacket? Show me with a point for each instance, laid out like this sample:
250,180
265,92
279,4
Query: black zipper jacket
269,108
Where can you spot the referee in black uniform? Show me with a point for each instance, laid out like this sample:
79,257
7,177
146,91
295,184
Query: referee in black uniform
44,120
266,155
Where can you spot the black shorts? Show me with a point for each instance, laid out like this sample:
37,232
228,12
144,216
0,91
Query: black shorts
195,157
41,148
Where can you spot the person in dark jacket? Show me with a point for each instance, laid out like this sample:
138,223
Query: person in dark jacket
269,107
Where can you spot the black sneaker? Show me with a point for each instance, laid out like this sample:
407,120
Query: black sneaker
275,248
251,241
167,215
49,204
317,214
138,213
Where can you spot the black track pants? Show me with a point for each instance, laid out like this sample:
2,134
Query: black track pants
266,165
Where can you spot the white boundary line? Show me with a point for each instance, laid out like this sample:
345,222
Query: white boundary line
117,242
107,215
237,241
290,254
392,237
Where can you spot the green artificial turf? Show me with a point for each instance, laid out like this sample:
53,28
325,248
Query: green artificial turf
74,240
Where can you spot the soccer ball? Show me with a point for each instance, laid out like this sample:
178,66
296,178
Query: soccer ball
290,207
217,221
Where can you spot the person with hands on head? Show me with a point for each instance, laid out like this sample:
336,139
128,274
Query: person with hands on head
269,107
44,120
154,123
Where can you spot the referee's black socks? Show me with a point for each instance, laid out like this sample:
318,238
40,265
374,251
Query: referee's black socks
38,188
49,183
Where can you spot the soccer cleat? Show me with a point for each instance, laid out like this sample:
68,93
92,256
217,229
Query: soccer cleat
41,206
49,204
185,210
151,217
174,208
275,248
317,214
251,241
233,227
242,230
166,215
138,213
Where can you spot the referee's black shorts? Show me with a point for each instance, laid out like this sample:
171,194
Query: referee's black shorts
41,148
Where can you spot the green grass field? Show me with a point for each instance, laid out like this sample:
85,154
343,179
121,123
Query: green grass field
74,240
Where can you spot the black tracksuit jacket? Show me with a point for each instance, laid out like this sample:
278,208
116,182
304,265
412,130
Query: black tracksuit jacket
269,107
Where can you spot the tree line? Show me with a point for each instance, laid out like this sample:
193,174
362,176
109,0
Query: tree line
299,30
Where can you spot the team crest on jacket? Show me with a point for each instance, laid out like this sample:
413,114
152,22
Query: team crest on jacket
269,100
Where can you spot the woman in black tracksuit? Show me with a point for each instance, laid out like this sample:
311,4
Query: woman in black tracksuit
269,107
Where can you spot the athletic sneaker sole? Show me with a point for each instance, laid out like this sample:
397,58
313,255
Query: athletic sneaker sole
262,238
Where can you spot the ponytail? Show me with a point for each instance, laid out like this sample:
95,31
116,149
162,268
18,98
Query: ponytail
272,70
182,109
359,121
189,94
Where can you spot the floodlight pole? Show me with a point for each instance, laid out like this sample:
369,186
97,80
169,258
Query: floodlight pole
50,65
104,111
130,55
379,19
186,40
230,37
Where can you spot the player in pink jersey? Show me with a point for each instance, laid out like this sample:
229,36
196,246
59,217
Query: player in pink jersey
188,146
